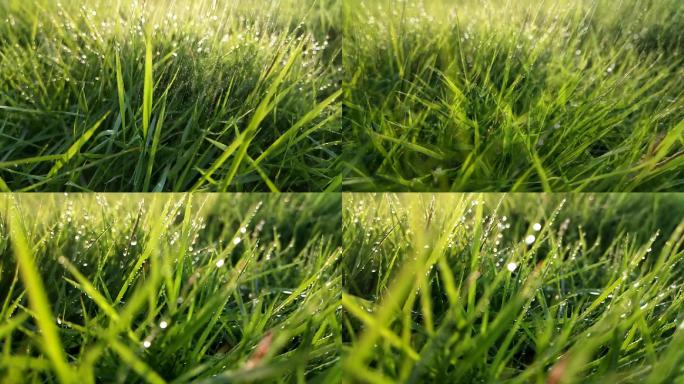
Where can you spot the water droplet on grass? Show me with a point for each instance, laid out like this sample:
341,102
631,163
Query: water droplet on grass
512,266
219,263
536,227
163,324
237,240
530,239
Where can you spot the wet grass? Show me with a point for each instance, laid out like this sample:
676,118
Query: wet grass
514,95
169,288
153,96
524,288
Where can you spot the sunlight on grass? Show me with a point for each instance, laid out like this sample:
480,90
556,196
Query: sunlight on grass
170,79
467,288
156,288
506,95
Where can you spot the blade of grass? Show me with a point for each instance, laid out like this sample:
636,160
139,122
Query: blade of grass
40,304
76,146
148,87
155,145
138,365
121,92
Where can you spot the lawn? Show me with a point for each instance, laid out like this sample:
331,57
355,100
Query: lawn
502,95
520,288
199,288
210,95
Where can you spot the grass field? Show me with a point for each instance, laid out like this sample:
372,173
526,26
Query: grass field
254,99
523,288
210,95
170,288
504,95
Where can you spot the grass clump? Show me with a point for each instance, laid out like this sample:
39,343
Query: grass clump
154,96
201,288
507,95
513,289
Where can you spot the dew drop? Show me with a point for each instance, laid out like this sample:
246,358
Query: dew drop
512,266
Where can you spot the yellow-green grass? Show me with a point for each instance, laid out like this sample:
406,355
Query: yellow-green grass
155,96
505,95
170,288
521,288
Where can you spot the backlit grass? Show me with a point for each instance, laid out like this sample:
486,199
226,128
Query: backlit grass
169,288
502,95
525,288
159,96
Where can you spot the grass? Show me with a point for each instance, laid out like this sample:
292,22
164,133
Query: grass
502,95
170,288
521,288
153,96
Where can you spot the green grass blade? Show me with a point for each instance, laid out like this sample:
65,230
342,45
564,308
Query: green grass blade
121,92
155,145
148,88
40,304
137,364
76,146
